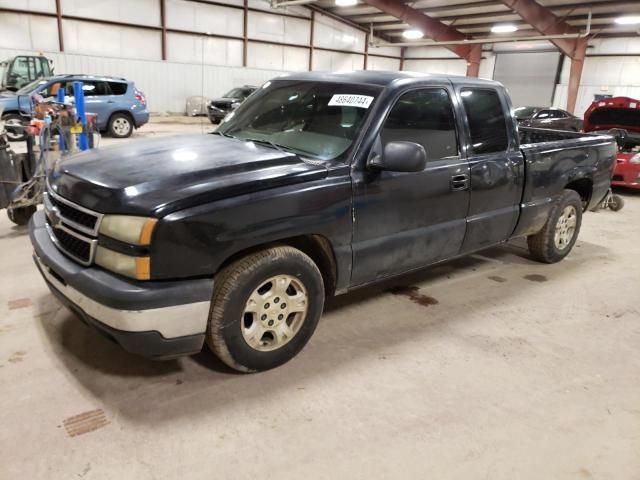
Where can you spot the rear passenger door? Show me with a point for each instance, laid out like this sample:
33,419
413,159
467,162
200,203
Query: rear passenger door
97,97
404,221
496,166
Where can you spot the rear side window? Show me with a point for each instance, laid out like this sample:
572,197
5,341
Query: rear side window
487,122
424,117
92,89
118,88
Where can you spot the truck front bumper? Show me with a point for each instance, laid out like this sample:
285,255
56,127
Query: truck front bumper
155,319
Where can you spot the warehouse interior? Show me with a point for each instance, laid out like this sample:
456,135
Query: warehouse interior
490,364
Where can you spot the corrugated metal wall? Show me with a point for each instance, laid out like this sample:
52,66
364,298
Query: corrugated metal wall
612,67
196,65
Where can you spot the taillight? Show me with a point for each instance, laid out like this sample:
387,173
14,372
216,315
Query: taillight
140,97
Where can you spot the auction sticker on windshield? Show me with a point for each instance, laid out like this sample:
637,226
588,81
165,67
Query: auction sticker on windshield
342,100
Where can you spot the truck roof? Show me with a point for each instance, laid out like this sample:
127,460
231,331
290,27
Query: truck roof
382,78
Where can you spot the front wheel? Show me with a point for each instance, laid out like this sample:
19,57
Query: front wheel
12,120
21,215
265,307
560,232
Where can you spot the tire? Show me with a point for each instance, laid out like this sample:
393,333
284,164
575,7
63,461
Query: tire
22,215
616,203
234,335
14,119
544,246
120,125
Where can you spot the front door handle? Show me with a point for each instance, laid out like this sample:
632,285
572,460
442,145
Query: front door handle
460,182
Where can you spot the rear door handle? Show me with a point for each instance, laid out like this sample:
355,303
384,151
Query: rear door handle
460,182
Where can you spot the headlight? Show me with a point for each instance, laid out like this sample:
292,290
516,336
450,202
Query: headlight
235,105
129,229
635,158
134,267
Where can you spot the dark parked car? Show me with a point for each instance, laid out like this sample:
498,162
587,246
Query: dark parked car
553,118
220,107
319,184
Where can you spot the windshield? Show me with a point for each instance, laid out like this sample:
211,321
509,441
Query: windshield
234,93
317,119
30,87
524,112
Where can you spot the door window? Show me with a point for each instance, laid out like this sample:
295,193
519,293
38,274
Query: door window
424,117
487,121
52,90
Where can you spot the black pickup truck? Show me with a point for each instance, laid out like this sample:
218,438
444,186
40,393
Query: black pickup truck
318,184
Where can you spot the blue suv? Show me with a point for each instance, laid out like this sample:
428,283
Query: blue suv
120,106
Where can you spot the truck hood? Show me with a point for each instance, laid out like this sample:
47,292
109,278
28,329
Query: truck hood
163,175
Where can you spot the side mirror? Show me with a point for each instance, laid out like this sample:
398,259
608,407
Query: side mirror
400,157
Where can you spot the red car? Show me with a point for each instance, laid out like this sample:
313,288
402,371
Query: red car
621,114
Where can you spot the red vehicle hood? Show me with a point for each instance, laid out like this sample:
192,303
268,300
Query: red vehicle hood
616,112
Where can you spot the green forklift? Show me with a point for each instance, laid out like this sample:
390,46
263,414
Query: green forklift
18,71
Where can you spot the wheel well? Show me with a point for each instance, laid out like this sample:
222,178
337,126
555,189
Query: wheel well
317,247
584,188
124,112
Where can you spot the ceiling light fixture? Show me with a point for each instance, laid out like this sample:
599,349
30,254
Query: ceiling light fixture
628,20
504,28
346,3
412,34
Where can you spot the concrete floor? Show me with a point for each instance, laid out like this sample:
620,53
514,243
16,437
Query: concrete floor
519,371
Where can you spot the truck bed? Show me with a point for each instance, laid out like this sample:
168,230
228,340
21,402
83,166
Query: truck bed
554,159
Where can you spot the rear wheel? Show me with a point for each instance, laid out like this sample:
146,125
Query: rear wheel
560,232
21,215
120,125
265,307
14,120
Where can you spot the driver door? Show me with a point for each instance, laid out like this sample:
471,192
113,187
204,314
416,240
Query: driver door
403,221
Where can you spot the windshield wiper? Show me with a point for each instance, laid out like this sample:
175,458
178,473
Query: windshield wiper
280,148
223,134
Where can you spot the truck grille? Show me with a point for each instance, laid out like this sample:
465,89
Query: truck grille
75,216
72,228
75,247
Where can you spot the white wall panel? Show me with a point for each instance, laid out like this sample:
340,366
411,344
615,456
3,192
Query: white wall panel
431,52
28,32
31,5
277,57
487,65
111,41
292,10
141,12
337,61
617,76
329,33
446,67
264,26
166,84
217,51
393,51
197,17
383,63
